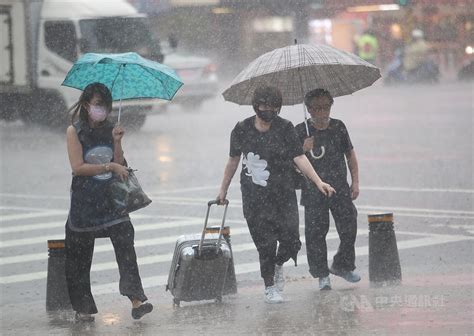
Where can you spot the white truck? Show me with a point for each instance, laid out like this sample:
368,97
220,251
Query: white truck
41,39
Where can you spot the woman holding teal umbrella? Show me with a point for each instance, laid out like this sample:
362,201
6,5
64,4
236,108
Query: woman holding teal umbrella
127,75
95,152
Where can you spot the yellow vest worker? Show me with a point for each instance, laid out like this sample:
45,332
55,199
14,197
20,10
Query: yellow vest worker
367,46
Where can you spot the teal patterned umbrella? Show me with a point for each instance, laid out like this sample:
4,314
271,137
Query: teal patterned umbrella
127,75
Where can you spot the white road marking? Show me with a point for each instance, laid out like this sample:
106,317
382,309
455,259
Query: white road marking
179,221
184,190
426,190
138,228
61,224
468,226
375,188
31,196
107,246
236,185
415,215
427,240
424,210
143,227
367,209
160,280
49,213
32,227
23,208
16,278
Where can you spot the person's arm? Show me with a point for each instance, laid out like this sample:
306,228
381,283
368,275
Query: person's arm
117,134
79,167
306,141
230,169
354,170
308,144
307,169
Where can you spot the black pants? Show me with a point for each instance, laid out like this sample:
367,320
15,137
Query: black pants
79,251
317,226
274,227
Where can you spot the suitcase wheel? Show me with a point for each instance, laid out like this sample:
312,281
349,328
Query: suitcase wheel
176,302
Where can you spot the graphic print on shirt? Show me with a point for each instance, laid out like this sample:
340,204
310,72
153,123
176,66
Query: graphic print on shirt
100,155
256,169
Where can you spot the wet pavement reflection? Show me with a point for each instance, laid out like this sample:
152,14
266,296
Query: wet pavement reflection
421,305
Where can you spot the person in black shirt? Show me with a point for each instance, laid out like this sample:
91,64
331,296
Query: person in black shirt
94,147
327,148
270,148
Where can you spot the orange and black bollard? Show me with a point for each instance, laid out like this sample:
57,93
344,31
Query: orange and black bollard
384,262
57,296
230,285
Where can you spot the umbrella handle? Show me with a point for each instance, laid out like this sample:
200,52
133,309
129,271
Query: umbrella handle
317,157
323,150
121,94
119,112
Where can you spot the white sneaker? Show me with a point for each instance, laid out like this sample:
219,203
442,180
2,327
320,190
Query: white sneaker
324,283
349,276
279,278
82,317
272,295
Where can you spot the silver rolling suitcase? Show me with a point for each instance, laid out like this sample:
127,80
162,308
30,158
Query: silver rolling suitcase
200,263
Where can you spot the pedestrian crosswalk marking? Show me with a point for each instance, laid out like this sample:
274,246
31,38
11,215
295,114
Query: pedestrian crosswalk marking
169,222
141,261
160,280
429,239
138,228
5,218
100,247
106,246
238,204
236,186
53,225
31,227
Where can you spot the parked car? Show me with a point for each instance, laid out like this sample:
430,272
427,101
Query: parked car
199,76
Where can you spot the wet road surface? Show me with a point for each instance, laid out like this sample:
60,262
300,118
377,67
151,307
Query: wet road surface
414,146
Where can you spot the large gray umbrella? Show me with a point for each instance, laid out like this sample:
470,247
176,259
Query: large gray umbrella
299,68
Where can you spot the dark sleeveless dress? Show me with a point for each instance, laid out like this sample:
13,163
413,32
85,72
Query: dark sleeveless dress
91,207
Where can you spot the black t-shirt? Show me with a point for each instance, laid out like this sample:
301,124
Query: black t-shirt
336,141
267,163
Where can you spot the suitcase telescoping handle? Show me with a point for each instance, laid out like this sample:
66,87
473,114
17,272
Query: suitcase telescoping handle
209,204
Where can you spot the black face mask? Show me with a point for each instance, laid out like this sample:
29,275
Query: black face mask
266,116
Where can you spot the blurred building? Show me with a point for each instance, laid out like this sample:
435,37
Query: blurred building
447,26
236,31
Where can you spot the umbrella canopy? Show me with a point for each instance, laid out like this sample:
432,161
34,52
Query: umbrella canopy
300,68
127,75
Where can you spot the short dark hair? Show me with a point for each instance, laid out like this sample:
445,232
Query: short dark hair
267,95
316,93
87,95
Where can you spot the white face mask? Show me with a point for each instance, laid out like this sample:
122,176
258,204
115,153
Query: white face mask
97,113
319,120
